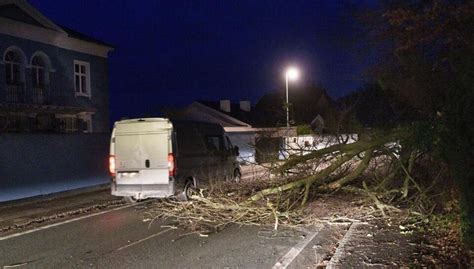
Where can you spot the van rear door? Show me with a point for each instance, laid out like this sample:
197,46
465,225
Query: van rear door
141,152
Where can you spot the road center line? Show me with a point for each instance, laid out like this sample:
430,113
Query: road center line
295,250
146,238
63,222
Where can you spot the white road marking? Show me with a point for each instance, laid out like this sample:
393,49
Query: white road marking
63,222
146,238
15,265
296,250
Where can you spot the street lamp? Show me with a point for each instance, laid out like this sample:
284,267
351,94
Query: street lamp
290,74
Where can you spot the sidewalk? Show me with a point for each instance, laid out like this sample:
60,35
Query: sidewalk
15,215
31,212
373,246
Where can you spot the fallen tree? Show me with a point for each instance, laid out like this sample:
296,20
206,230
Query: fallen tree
378,156
338,157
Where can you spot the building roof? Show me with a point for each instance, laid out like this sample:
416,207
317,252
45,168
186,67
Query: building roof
20,19
232,122
84,37
235,111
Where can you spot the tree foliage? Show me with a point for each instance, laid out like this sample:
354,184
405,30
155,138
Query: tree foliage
373,107
431,68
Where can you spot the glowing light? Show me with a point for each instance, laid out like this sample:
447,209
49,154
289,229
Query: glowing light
112,165
292,73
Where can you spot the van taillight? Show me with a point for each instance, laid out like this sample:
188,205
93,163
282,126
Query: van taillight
112,165
171,165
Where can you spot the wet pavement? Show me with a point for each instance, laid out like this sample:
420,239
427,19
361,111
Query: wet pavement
120,238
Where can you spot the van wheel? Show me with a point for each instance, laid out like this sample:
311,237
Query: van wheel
237,176
130,200
189,190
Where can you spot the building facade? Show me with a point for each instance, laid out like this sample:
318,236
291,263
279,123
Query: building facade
52,79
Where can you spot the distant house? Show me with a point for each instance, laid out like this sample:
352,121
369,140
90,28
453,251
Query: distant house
230,116
255,144
317,124
52,78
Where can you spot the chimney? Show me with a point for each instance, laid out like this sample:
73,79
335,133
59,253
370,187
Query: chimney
245,105
225,105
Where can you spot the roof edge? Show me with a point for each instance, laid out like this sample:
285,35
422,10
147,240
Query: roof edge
212,110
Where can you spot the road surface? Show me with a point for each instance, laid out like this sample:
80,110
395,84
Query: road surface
120,238
95,230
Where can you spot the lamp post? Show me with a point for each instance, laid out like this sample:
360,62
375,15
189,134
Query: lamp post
290,74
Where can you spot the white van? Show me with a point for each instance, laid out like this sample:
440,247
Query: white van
157,157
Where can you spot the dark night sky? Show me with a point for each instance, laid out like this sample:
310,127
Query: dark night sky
175,52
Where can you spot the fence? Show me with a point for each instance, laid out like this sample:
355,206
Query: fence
304,144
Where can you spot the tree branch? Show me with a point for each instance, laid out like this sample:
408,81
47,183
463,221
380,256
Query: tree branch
355,174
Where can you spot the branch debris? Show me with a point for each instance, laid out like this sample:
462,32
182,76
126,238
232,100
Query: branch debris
210,213
374,165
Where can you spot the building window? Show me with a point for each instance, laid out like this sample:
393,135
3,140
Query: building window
68,124
13,67
40,77
85,120
15,63
82,78
38,68
81,122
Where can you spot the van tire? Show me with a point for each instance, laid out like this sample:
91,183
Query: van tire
130,200
237,176
189,188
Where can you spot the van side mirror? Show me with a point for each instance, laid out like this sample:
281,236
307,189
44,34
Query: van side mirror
236,151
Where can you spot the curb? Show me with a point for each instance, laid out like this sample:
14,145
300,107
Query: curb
335,261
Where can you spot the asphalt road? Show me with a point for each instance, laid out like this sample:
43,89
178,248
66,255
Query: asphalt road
121,239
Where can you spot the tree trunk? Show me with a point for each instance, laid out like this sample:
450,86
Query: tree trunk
464,176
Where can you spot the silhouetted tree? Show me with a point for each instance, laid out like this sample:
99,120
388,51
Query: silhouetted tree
429,65
306,102
372,106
